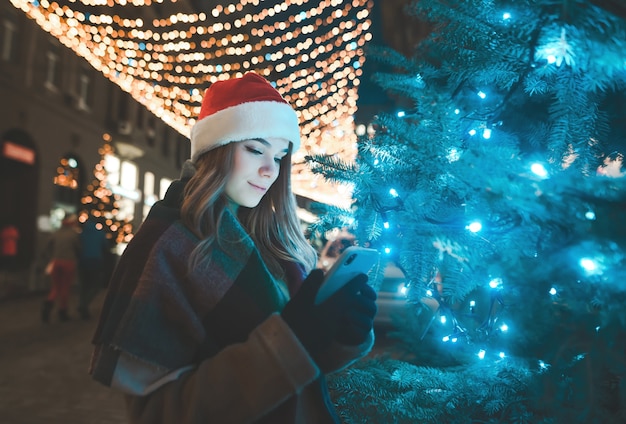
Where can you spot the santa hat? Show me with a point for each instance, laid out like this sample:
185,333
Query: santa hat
242,109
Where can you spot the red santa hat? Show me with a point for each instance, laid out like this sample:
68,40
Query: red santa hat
242,109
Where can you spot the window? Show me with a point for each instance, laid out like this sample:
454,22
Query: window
163,186
165,142
112,166
67,173
9,40
151,132
84,90
149,197
122,180
129,176
67,189
53,62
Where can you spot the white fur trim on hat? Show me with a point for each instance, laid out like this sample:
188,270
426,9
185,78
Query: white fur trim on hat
245,121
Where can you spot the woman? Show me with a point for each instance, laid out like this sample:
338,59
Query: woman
209,317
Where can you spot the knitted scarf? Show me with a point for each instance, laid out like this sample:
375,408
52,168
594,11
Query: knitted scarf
175,318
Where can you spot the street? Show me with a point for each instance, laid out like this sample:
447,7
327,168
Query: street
43,368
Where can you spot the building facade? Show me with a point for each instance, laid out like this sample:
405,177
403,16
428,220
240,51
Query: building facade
59,119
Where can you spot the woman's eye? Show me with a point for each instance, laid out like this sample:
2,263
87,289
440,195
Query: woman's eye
278,160
254,150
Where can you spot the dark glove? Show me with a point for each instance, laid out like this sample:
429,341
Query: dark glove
347,316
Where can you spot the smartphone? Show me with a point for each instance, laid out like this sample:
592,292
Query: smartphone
352,261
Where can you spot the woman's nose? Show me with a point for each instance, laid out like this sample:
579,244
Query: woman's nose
269,168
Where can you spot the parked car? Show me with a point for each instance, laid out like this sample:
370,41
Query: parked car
392,299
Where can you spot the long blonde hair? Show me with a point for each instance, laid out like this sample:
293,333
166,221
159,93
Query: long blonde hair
273,224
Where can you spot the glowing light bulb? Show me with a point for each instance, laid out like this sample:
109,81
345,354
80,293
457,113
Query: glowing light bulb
429,293
457,111
387,250
590,215
443,319
445,338
539,170
481,94
501,355
472,132
487,133
475,226
386,225
496,283
506,16
401,114
588,264
481,354
504,328
393,192
552,291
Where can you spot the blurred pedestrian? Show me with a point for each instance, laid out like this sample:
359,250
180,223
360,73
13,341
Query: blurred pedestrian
63,251
9,237
93,254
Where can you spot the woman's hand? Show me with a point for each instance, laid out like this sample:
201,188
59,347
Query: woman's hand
346,317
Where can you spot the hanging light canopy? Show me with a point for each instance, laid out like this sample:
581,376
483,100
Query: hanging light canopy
165,53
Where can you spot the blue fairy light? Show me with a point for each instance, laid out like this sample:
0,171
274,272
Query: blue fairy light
481,354
393,192
552,291
487,133
475,226
590,215
496,283
401,114
506,16
588,264
472,132
481,94
539,170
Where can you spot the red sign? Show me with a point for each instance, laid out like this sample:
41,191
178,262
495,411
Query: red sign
19,153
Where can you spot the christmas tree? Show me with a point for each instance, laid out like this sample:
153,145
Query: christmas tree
498,190
100,204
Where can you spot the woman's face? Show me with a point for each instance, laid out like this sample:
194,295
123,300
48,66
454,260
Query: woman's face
255,168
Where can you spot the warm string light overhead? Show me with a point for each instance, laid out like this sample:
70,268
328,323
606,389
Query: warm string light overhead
311,49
